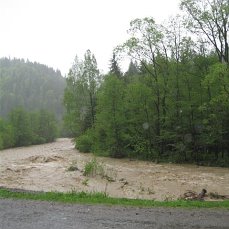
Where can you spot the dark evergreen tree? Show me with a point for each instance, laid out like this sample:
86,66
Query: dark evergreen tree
132,69
114,67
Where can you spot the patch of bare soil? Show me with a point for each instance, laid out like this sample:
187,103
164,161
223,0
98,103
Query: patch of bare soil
59,167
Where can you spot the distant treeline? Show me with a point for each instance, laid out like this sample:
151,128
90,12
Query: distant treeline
173,102
23,128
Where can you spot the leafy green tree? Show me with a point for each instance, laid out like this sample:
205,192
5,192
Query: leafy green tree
174,106
92,79
215,133
210,17
6,134
1,143
140,117
80,94
48,127
147,46
20,122
75,100
110,118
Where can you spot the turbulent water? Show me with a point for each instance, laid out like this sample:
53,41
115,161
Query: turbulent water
46,167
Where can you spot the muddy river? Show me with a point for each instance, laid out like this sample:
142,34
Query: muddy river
48,168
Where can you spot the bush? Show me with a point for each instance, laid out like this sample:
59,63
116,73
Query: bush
84,142
93,168
38,140
1,143
72,168
7,135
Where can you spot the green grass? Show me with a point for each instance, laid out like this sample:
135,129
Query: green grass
101,198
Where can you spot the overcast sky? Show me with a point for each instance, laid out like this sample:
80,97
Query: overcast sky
52,32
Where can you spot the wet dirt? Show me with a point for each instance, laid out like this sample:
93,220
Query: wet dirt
47,168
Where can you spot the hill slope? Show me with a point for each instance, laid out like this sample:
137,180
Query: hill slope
32,86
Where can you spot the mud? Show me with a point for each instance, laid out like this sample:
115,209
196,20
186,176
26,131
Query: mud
47,168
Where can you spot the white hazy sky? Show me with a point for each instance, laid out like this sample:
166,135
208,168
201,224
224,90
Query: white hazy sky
52,32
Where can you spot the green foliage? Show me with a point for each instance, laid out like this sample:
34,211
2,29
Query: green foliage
80,94
114,68
110,118
6,135
1,143
85,182
84,142
193,128
47,128
210,19
23,128
172,103
138,101
93,168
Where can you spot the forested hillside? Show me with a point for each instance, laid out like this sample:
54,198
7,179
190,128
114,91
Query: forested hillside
173,102
31,86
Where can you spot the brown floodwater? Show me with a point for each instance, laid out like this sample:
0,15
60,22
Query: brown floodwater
46,168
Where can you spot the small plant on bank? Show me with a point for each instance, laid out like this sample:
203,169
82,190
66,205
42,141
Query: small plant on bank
93,168
73,167
151,192
85,182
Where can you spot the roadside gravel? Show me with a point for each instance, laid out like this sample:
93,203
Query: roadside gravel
27,214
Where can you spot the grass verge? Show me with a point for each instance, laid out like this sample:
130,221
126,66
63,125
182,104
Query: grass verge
101,198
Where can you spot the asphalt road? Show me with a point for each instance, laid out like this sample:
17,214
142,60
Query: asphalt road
26,214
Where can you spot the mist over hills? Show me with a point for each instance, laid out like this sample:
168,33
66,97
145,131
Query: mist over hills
29,85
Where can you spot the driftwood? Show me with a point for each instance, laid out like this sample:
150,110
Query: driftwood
215,195
191,195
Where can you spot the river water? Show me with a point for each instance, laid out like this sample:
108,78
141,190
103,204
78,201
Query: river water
45,168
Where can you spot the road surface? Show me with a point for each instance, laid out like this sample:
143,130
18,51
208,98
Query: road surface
26,214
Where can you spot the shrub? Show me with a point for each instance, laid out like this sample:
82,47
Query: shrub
93,168
1,143
85,182
38,140
73,167
84,142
